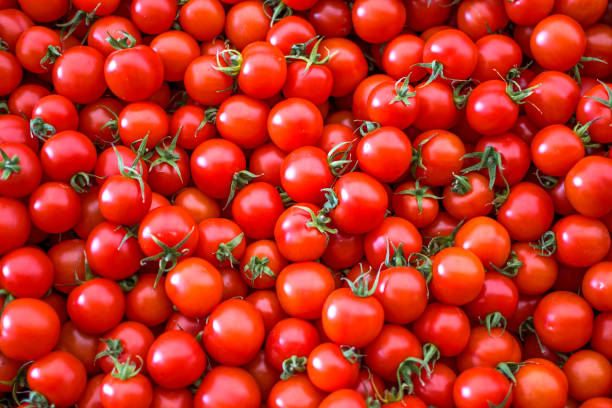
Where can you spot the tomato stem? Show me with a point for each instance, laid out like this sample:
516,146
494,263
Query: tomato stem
52,54
128,41
239,180
419,193
606,103
70,26
224,251
8,165
512,266
41,129
292,365
546,245
258,267
494,320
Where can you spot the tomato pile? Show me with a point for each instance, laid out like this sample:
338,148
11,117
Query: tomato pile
305,203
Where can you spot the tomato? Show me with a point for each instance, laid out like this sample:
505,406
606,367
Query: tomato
175,359
153,17
402,292
331,18
115,27
103,296
224,387
26,272
79,74
514,154
264,374
22,171
341,312
268,305
585,186
188,280
584,12
261,264
193,13
598,39
221,241
303,287
16,129
247,22
128,340
44,13
589,375
392,231
378,21
213,164
537,273
558,42
66,153
164,398
574,234
555,149
135,73
554,99
437,388
400,54
331,369
234,332
23,98
481,386
124,200
389,349
13,23
473,203
242,120
497,55
440,154
293,123
602,334
57,111
596,285
29,329
263,70
455,54
343,398
527,213
446,326
598,110
54,207
147,303
32,49
290,338
126,390
59,376
492,107
540,382
301,233
458,276
384,153
296,392
348,65
528,12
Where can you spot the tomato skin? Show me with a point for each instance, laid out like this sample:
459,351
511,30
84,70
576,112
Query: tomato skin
400,54
242,120
329,370
44,13
142,118
488,350
214,232
437,388
263,70
290,337
440,323
458,276
13,23
165,398
331,18
293,123
303,287
296,392
479,386
262,249
391,231
193,13
135,338
79,74
387,351
540,382
134,74
101,295
115,26
297,241
264,374
348,66
442,155
598,45
175,359
190,278
558,142
528,12
586,186
384,153
574,234
602,334
341,312
362,203
146,304
527,213
596,286
589,375
557,319
538,273
402,292
490,110
234,332
23,182
343,398
455,50
246,22
54,207
589,109
555,98
558,42
122,201
16,129
213,164
496,54
224,387
26,272
477,202
29,329
59,376
378,21
304,173
177,49
134,392
66,153
314,84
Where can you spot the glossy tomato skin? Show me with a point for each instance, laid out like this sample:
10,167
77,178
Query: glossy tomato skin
589,109
385,153
400,54
437,388
341,312
224,387
305,172
79,74
124,200
146,303
496,54
134,74
247,22
102,296
486,349
175,359
297,391
554,100
26,272
66,153
478,386
213,164
378,22
296,240
290,337
348,65
343,398
574,234
490,110
293,123
29,329
263,70
303,287
134,392
537,273
191,14
54,207
477,202
21,183
455,50
59,376
563,321
527,213
558,42
442,155
394,231
558,142
589,375
234,332
387,351
458,276
439,324
479,18
362,203
402,292
11,70
596,286
540,382
204,83
135,339
586,186
329,370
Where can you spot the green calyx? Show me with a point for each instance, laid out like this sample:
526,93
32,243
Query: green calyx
417,156
607,103
8,165
440,242
318,221
437,70
339,161
81,181
52,54
403,91
359,286
40,129
229,61
292,365
167,155
112,350
546,245
461,185
526,328
419,192
298,53
461,93
367,126
545,180
582,131
239,180
258,267
494,320
128,41
518,95
351,354
224,250
279,10
512,266
70,26
133,172
127,370
414,365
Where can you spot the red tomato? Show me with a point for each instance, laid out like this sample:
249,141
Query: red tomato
540,382
303,287
378,21
447,327
59,376
224,387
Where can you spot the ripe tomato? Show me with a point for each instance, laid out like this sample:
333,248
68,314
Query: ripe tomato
347,64
101,295
54,207
440,155
26,272
527,213
79,74
589,375
481,386
126,390
247,22
224,387
446,326
378,21
455,54
586,186
558,42
437,388
213,165
188,280
473,203
234,332
175,359
147,303
389,349
486,238
458,275
384,153
574,234
263,70
303,287
290,338
537,273
402,292
598,110
540,382
59,376
343,398
193,13
331,18
330,368
497,55
22,171
297,391
391,232
400,54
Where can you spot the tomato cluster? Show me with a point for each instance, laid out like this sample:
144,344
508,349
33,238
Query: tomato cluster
305,203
